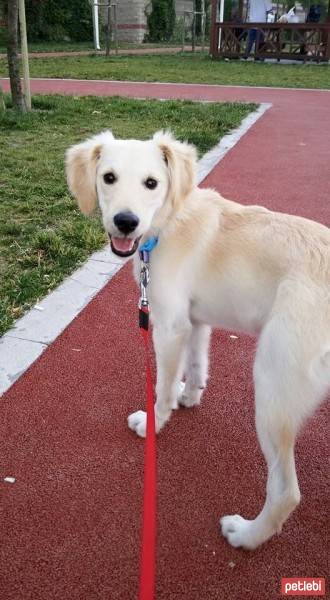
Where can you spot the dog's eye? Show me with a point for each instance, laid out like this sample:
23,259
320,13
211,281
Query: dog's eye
109,178
151,183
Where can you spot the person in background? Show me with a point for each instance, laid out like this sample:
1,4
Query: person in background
257,13
314,14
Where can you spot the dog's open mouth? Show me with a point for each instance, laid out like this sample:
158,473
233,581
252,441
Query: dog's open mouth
123,246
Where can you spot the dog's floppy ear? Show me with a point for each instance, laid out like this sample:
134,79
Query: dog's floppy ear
181,159
81,162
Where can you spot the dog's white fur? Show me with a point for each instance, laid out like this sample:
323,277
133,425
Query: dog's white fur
221,264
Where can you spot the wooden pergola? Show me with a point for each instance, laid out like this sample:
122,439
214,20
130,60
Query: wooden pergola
294,41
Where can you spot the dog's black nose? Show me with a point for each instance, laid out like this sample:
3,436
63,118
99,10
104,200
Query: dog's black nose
126,222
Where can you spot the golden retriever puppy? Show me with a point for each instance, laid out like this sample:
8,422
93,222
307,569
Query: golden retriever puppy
218,264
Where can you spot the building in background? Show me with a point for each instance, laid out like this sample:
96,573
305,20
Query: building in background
131,20
132,17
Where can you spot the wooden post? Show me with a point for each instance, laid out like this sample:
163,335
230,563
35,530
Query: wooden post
203,25
240,9
25,54
115,24
193,34
107,48
213,28
13,63
326,37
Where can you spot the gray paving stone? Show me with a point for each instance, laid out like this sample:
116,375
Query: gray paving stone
107,256
15,357
95,273
57,311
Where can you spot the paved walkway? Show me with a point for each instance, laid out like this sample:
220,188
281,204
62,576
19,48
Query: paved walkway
71,522
120,52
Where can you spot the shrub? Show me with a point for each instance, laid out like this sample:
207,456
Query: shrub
55,20
161,21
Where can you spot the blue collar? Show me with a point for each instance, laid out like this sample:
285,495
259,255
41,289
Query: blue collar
147,247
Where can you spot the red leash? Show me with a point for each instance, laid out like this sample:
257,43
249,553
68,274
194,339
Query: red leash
148,550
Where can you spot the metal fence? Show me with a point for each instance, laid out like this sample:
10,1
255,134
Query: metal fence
116,23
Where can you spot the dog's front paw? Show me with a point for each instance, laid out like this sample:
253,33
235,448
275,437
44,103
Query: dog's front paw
137,421
178,395
238,532
190,397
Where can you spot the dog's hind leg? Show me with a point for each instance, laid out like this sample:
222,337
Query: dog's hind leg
196,368
284,396
282,497
170,343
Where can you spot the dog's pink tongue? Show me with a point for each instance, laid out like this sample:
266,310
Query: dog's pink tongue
122,244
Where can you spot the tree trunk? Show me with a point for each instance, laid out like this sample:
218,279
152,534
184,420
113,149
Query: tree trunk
13,64
2,102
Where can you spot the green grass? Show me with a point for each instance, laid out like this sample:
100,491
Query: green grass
180,68
43,236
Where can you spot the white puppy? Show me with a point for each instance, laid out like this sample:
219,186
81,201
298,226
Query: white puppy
219,264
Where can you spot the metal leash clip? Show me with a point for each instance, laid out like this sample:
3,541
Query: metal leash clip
144,302
144,252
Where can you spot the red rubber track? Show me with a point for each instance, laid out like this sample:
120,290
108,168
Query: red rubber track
70,525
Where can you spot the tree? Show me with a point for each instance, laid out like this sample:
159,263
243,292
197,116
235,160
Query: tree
161,21
2,102
13,64
59,19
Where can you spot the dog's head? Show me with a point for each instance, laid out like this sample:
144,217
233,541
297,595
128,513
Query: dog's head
138,184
